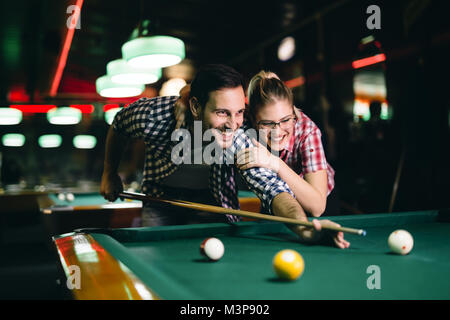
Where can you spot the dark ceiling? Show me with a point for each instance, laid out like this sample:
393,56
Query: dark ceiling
33,32
234,31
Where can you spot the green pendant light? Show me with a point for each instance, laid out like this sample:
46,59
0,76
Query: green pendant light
153,52
158,51
10,116
107,88
84,141
50,141
123,73
64,116
13,140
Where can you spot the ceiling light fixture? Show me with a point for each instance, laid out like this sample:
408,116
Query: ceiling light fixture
9,116
123,73
107,88
50,141
13,140
158,51
286,49
64,116
84,141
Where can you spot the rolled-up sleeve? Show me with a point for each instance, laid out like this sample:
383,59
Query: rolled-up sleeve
265,183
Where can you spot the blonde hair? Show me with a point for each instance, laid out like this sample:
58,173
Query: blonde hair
264,88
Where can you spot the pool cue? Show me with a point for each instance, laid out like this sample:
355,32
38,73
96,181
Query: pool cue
397,179
248,214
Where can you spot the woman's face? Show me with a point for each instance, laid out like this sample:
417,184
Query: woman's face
276,123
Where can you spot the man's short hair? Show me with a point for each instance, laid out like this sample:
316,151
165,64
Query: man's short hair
214,77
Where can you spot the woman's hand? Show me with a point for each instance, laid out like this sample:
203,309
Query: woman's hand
257,156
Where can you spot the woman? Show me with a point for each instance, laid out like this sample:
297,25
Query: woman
289,132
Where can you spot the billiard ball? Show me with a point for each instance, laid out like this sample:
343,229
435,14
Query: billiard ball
61,196
212,248
70,197
400,242
288,264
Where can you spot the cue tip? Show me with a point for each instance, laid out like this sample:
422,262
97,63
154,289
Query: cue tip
363,233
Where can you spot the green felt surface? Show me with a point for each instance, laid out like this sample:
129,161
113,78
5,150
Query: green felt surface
246,194
167,259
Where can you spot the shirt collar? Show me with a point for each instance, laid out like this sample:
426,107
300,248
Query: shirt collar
290,146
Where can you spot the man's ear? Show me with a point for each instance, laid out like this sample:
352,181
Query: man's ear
194,106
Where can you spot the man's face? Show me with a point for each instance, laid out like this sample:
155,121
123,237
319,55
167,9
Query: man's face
224,114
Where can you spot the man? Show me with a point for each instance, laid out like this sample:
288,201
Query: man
217,99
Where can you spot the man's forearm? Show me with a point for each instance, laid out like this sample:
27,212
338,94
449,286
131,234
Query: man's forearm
284,205
115,145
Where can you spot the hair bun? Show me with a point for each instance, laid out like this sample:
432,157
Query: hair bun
264,87
269,75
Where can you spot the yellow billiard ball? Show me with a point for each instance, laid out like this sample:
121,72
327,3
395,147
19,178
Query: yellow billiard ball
288,264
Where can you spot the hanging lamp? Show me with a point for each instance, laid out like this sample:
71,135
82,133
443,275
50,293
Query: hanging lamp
50,141
10,116
64,116
107,88
123,73
157,51
13,140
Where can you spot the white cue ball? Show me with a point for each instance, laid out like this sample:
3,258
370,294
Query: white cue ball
70,197
212,248
401,242
61,196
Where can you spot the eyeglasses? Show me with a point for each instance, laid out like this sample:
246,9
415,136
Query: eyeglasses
284,124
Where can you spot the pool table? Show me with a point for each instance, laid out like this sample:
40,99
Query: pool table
165,262
90,209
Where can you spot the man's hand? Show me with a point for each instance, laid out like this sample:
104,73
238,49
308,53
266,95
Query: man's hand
317,235
111,186
337,237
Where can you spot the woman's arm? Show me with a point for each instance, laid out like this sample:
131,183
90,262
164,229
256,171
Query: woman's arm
311,192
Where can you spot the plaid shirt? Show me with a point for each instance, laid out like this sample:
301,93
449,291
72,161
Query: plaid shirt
304,153
153,121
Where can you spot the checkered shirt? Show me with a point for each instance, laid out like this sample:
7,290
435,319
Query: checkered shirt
304,153
153,121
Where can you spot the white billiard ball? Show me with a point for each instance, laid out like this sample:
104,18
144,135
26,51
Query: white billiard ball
212,248
401,242
70,197
61,197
